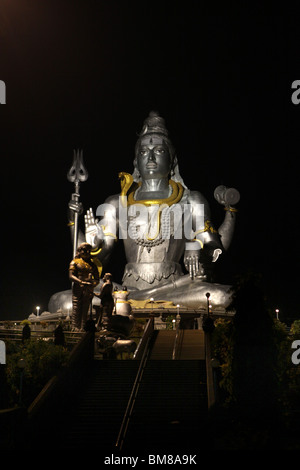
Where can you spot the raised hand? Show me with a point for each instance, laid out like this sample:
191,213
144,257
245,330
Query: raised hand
93,231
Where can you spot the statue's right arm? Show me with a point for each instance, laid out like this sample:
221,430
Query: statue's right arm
73,207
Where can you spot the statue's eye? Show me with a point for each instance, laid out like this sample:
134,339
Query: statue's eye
143,152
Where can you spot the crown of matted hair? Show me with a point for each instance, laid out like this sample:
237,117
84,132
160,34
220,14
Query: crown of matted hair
154,124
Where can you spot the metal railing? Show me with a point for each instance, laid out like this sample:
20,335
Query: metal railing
46,334
144,339
211,397
177,343
142,353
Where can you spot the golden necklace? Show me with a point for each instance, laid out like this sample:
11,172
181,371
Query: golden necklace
127,183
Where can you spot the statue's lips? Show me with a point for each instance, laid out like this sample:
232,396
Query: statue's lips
151,166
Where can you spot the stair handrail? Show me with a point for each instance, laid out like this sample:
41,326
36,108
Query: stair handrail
179,333
211,398
138,353
145,353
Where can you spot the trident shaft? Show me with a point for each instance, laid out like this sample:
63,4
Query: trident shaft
77,174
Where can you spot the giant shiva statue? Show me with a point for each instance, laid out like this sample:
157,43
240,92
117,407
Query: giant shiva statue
162,224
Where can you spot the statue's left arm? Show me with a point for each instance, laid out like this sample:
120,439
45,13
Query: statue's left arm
211,242
227,197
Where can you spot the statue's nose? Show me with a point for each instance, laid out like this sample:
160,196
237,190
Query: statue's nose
151,157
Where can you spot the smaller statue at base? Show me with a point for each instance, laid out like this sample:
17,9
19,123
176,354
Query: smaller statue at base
115,339
107,301
85,277
122,304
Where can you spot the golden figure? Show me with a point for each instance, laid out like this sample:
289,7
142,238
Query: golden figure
84,274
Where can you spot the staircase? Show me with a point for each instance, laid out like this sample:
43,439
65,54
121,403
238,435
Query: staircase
93,419
171,407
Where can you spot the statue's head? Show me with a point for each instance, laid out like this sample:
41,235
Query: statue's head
107,277
84,251
155,156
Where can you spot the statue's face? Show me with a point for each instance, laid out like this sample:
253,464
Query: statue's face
153,158
85,253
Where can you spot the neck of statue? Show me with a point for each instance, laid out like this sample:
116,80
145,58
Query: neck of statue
160,184
154,188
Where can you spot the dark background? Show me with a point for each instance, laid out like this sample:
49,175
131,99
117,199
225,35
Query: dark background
85,74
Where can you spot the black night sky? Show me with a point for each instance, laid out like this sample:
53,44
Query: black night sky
85,74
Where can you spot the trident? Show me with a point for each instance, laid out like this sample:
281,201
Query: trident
76,175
